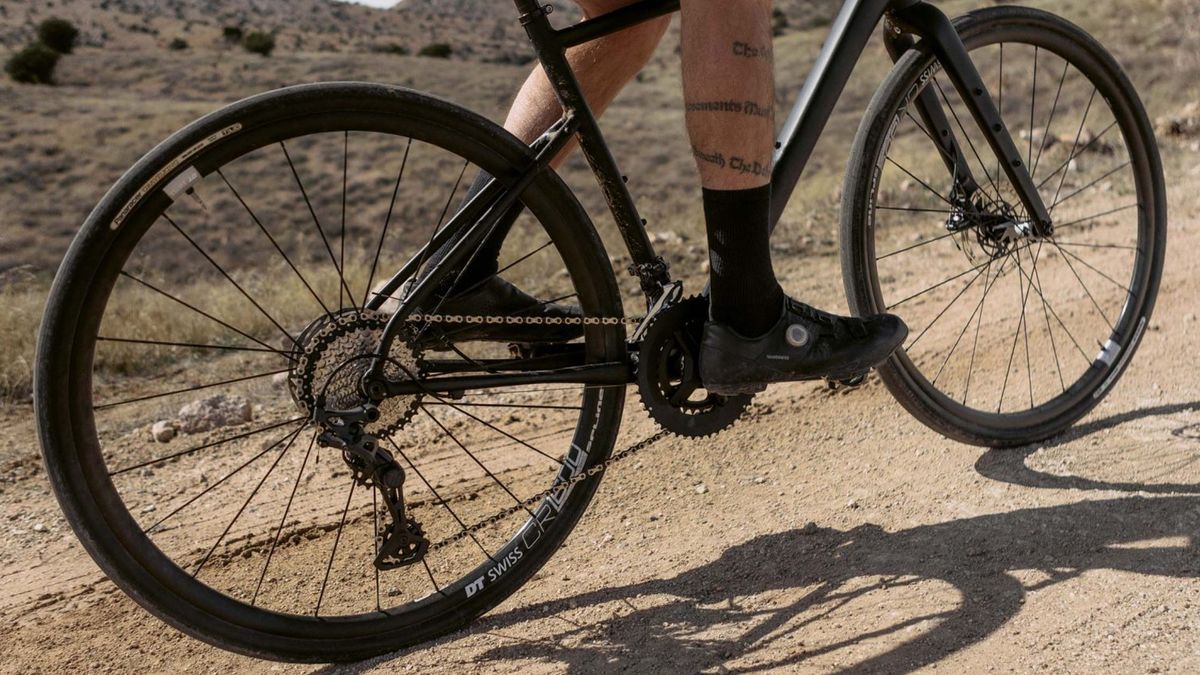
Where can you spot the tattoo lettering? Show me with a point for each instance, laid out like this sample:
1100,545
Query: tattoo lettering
733,163
749,51
740,107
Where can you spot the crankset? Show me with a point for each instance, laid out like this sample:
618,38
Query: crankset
668,374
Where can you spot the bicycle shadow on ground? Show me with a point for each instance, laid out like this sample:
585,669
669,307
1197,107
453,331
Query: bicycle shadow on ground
862,600
1011,465
776,599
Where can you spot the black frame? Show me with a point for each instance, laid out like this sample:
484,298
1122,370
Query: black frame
904,21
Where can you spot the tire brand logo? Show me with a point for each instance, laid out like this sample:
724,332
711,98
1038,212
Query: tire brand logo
474,587
167,170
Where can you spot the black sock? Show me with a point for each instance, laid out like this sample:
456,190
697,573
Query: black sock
745,294
487,261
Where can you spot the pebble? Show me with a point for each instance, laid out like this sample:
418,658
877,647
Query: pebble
701,489
163,431
852,504
39,527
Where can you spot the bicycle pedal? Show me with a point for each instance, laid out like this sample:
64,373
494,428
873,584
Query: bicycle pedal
853,382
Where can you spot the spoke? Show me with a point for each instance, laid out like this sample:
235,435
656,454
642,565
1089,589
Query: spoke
457,408
1077,221
375,541
1024,295
1057,318
1097,271
441,500
342,234
186,390
227,476
1036,281
943,283
506,268
1089,185
336,540
230,279
246,503
274,243
386,224
946,154
987,285
189,345
317,221
1082,245
1071,154
204,314
476,460
283,519
978,325
919,244
923,183
1053,109
949,305
1085,290
206,446
913,210
1025,326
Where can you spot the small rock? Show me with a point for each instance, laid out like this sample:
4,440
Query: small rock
701,489
163,431
759,480
39,527
810,528
214,412
852,504
149,508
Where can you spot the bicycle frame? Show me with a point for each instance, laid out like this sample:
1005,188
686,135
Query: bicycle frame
849,37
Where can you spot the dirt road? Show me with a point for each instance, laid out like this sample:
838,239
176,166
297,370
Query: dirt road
827,532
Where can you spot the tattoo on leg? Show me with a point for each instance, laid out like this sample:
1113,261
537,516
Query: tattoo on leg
749,51
739,107
733,163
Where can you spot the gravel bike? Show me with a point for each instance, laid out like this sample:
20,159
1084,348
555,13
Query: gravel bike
389,483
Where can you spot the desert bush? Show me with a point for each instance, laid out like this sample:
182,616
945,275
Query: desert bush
22,303
779,22
398,50
437,50
259,42
178,45
233,34
58,34
33,64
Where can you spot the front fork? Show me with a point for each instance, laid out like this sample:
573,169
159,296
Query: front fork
904,23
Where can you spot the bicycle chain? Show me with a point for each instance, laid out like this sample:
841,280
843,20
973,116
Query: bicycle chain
520,320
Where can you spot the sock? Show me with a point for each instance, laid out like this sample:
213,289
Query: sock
744,292
487,261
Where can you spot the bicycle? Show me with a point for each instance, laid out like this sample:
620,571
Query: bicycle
940,195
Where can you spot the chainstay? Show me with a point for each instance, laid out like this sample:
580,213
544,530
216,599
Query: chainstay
575,480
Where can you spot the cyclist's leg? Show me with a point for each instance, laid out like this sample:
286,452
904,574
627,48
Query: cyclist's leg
754,337
603,68
729,90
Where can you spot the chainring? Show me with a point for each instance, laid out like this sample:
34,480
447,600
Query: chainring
335,353
668,374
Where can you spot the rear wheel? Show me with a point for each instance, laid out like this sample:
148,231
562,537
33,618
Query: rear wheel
235,260
1013,338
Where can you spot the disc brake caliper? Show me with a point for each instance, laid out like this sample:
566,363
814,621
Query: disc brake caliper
401,540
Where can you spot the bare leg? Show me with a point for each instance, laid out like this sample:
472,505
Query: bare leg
729,89
603,68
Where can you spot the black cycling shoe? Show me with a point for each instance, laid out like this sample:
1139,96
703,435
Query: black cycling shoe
499,298
805,344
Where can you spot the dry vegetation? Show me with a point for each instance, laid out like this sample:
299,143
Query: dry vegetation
61,147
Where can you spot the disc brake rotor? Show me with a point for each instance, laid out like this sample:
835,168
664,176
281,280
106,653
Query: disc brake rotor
336,351
669,374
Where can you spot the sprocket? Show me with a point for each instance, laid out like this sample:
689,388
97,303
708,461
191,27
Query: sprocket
668,374
335,354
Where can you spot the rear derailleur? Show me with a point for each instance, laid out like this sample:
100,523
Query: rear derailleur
401,541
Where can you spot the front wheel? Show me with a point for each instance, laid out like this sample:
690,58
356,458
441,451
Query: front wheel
223,281
1013,337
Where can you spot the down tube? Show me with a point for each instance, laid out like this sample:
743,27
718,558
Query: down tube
849,37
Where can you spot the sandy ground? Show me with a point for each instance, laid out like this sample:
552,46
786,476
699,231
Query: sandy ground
834,533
